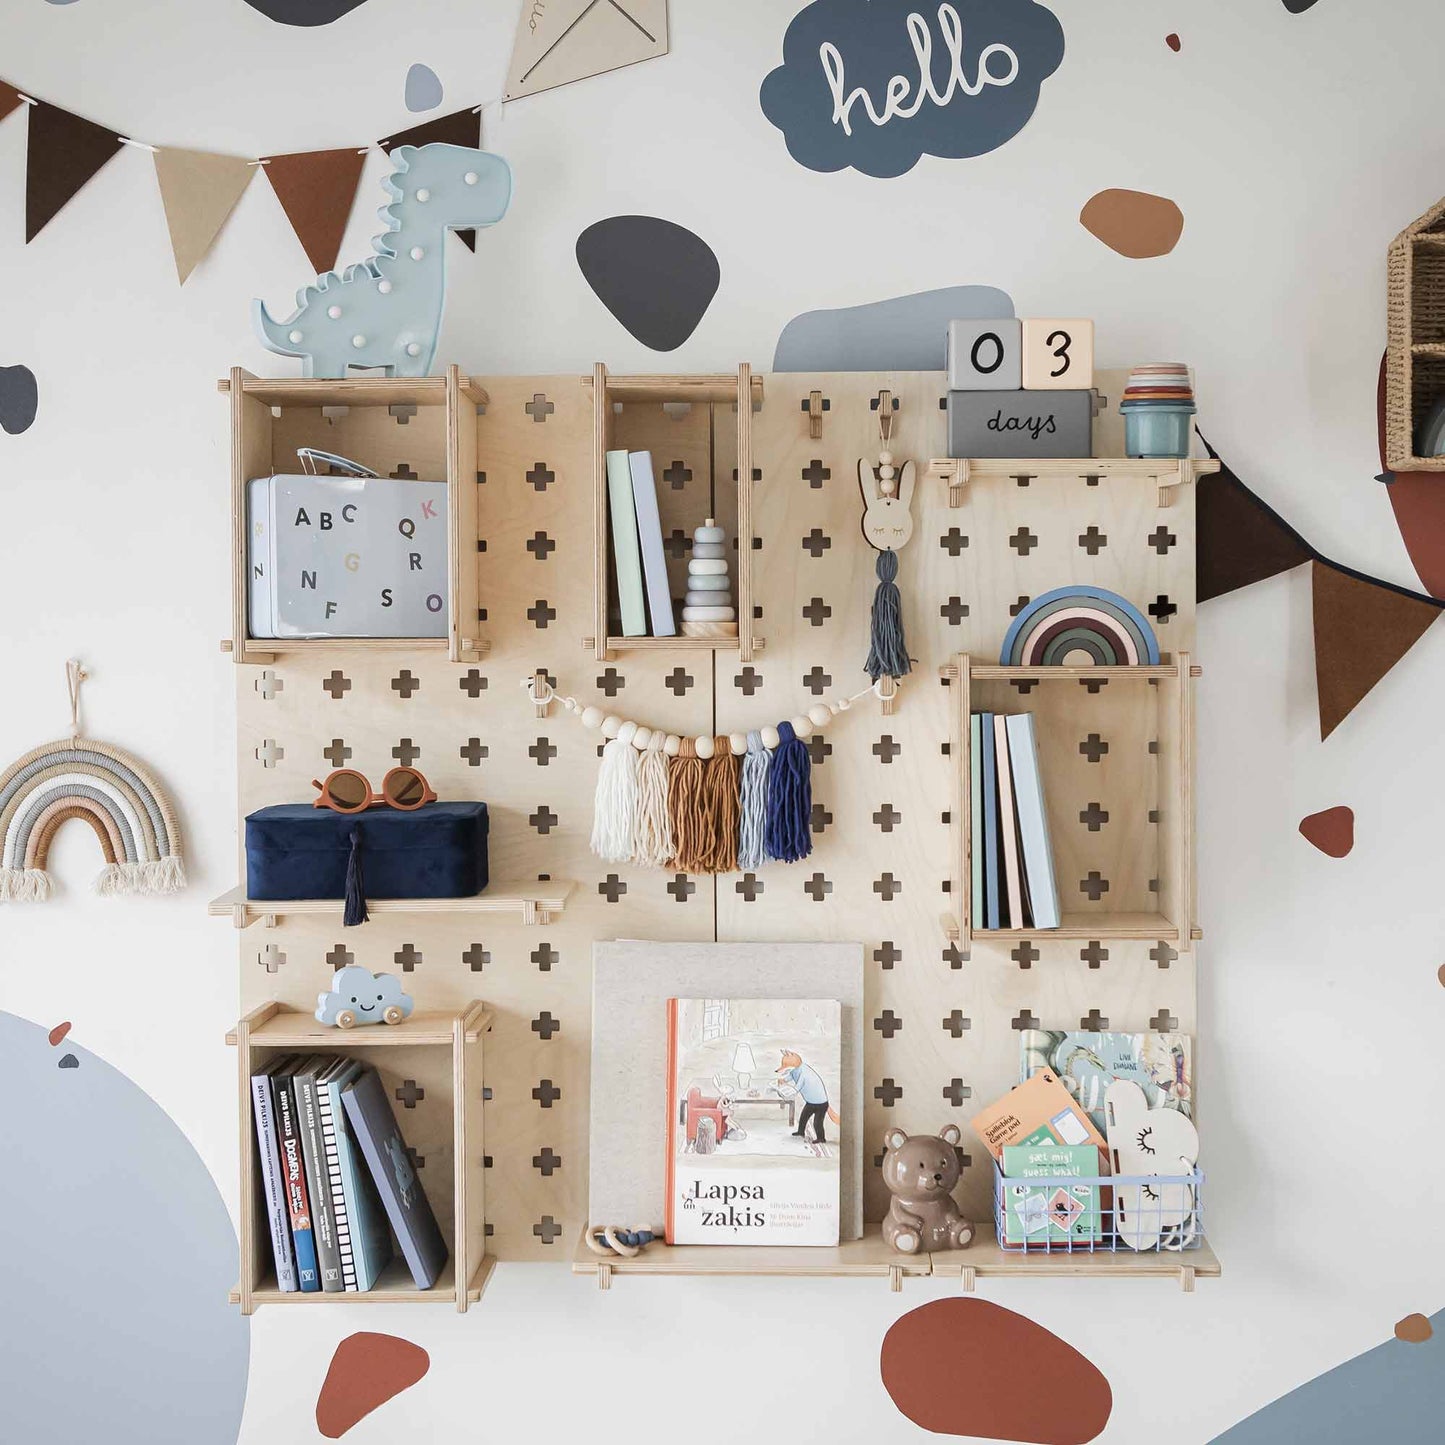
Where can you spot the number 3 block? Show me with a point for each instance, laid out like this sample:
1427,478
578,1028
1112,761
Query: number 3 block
1058,354
984,355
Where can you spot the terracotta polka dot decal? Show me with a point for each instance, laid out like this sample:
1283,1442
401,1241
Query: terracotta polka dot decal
1172,41
58,1033
969,1367
1414,1329
366,1371
1332,831
1133,223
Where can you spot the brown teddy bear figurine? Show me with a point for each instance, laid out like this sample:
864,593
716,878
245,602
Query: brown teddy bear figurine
920,1171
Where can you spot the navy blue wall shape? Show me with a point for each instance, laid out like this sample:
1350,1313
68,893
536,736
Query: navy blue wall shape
304,12
19,398
875,84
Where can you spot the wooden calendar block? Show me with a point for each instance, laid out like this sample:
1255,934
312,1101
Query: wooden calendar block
984,355
1058,354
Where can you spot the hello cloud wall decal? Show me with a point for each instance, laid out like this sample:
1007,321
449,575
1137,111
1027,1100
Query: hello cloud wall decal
876,84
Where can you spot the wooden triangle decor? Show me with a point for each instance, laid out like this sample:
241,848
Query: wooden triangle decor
63,152
1362,629
460,128
199,190
317,190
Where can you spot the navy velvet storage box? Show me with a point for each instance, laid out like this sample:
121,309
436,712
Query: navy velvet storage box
294,850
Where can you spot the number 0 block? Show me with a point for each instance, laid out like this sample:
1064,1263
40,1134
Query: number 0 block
1058,354
984,355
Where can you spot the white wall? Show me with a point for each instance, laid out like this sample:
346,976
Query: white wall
1296,146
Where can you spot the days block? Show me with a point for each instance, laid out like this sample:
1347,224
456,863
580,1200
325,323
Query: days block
985,355
1020,424
1058,354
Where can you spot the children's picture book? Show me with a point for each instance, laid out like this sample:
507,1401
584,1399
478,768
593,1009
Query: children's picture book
626,550
993,890
370,1115
1008,826
1038,1111
268,1145
1088,1062
1053,1212
752,1121
293,1176
1036,851
649,536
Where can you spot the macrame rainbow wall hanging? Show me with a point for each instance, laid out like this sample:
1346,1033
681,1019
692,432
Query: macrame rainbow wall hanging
1080,626
106,788
707,804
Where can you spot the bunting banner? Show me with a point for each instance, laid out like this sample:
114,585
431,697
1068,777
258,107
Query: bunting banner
460,128
1362,625
62,153
9,99
199,191
317,190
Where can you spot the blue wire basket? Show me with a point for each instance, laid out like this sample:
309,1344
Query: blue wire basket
1128,1213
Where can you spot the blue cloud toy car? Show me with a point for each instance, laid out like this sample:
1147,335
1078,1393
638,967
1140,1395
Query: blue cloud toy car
358,996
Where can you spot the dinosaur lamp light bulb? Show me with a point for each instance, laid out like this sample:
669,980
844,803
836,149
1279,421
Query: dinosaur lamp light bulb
386,312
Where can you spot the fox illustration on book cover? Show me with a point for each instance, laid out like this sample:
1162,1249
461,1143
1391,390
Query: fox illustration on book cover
809,1086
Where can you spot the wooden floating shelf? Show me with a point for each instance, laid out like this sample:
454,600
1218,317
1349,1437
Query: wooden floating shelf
1144,927
294,1029
1166,472
536,903
395,1286
865,1258
1007,672
670,644
353,390
983,1259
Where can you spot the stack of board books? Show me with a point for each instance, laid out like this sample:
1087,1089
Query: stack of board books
1012,883
637,550
337,1179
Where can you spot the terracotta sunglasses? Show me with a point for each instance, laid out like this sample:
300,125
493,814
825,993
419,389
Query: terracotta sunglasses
347,791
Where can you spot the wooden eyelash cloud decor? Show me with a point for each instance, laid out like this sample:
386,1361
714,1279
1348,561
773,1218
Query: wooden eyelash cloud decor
103,786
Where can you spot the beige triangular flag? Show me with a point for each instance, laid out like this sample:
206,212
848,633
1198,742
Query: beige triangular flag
199,190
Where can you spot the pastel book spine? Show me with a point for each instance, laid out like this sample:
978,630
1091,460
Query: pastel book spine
293,1167
1038,849
327,1102
990,820
370,1233
975,803
318,1185
1008,823
649,535
269,1152
626,550
260,557
369,1112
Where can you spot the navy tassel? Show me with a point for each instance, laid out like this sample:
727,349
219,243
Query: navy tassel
887,650
355,884
789,835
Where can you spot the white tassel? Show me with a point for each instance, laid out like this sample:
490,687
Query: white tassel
614,814
111,881
164,875
24,885
652,840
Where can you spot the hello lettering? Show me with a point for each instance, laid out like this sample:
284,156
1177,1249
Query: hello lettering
896,102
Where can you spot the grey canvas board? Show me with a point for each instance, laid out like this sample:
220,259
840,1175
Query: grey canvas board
1020,423
631,983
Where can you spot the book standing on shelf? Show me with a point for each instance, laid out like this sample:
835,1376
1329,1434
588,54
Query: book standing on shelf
1008,824
269,1147
626,548
328,1093
649,535
318,1183
1036,850
993,912
293,1169
369,1236
1013,878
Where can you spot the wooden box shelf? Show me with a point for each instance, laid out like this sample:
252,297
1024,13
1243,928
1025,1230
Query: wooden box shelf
868,1257
440,1054
1165,473
424,429
1116,755
534,903
700,418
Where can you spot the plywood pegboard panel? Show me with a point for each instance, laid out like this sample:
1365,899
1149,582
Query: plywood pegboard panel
941,1035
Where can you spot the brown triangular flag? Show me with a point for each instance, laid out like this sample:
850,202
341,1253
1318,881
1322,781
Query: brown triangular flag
62,153
9,99
317,190
1362,629
1238,538
199,190
460,128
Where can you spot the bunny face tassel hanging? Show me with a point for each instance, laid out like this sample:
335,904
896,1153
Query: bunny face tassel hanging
887,526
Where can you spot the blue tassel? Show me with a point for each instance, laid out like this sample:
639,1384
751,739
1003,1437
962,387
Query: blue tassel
790,798
887,650
355,911
753,824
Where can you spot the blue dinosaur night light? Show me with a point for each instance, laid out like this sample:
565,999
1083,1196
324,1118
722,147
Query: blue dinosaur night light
358,996
387,312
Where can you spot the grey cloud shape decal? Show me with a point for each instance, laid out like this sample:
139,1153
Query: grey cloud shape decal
875,84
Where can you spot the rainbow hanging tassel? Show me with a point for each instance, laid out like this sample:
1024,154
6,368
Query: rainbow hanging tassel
753,801
788,836
887,649
720,804
614,812
652,834
690,842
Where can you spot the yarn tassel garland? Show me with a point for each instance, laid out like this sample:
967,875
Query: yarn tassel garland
887,649
614,812
685,810
652,834
753,804
789,835
720,806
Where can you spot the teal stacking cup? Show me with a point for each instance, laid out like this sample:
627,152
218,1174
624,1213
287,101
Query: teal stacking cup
1157,428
